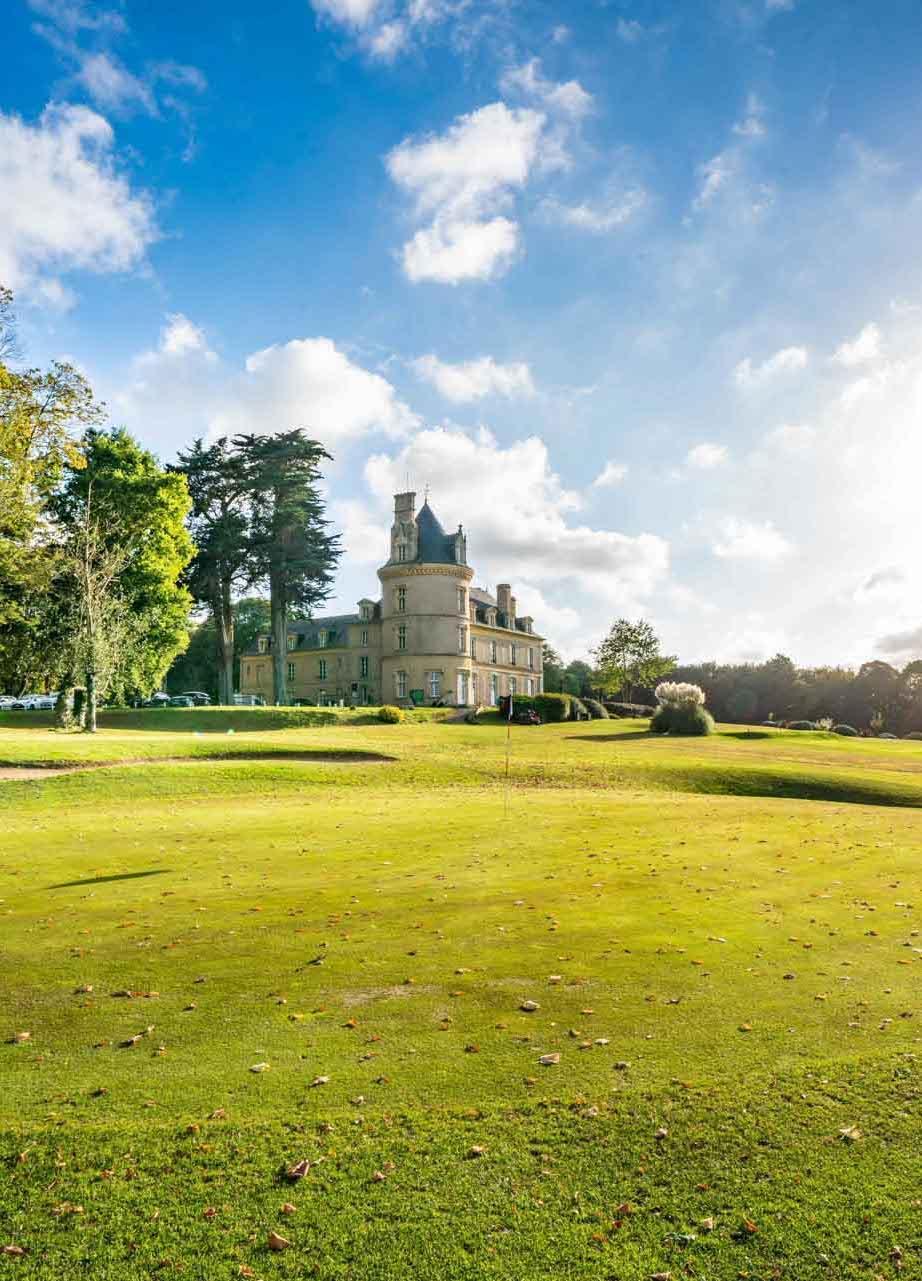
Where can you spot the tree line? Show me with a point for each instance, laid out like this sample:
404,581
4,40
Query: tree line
105,552
874,698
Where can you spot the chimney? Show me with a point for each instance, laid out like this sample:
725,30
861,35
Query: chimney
405,505
512,609
504,598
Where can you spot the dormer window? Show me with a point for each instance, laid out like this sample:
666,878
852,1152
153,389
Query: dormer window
365,613
323,639
292,641
262,644
402,552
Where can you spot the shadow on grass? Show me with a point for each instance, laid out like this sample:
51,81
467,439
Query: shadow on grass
119,876
781,786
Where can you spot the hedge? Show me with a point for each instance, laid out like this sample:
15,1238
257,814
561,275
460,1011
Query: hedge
390,715
595,709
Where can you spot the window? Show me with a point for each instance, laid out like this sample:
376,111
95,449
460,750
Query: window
400,683
291,671
462,601
473,647
291,642
529,686
322,669
492,651
401,600
249,667
513,687
494,689
365,612
401,552
364,635
363,665
512,654
262,644
435,684
402,637
322,638
531,657
462,640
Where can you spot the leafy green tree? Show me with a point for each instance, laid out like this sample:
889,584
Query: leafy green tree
578,678
219,525
629,657
139,508
40,414
292,550
553,670
198,666
744,703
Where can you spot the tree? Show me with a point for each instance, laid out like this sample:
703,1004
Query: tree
95,565
292,550
139,507
219,525
628,657
9,347
198,666
553,670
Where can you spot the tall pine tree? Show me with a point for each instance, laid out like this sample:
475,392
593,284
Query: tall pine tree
291,548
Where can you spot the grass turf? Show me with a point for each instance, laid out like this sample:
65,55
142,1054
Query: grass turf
720,935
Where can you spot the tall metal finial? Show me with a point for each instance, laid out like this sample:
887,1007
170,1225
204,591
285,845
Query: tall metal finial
427,491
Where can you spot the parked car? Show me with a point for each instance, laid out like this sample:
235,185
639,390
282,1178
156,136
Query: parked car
199,698
249,700
181,700
157,700
34,703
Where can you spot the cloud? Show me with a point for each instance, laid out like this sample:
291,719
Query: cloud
353,13
706,456
182,389
518,514
72,16
64,204
611,474
112,86
600,217
866,347
475,379
904,645
568,97
791,438
746,540
726,170
629,30
750,377
714,174
752,124
459,180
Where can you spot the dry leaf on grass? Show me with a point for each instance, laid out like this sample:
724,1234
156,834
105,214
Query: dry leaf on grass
275,1242
298,1170
549,1060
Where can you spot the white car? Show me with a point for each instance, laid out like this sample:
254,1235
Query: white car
34,703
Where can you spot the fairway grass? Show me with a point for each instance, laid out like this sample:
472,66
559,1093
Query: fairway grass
721,936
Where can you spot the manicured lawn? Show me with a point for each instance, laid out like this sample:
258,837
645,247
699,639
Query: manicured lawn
721,936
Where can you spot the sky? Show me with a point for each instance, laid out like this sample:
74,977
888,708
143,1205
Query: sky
632,285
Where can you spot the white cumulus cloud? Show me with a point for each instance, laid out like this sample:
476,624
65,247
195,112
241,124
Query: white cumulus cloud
182,389
750,377
861,350
738,539
64,204
706,456
611,474
474,379
567,96
459,180
597,217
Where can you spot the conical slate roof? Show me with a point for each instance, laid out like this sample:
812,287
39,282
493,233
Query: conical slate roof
434,546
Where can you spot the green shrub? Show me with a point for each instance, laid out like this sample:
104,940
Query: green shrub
578,709
390,715
682,718
848,731
801,725
629,709
595,709
553,707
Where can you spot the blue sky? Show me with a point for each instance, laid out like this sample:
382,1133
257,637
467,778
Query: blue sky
633,286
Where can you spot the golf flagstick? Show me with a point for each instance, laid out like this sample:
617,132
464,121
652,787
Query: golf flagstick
508,737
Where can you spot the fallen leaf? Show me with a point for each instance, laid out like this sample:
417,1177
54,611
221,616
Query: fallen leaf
288,1208
260,1067
275,1242
320,1080
14,1251
528,1006
209,1212
549,1060
298,1170
661,1133
475,1152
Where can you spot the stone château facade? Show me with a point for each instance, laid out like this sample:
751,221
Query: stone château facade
431,638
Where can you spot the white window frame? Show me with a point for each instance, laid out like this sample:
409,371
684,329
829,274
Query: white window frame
262,644
513,686
493,651
322,669
400,684
402,552
292,641
435,684
402,638
291,671
531,658
401,600
513,651
494,689
529,686
462,600
473,646
322,638
462,640
363,667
